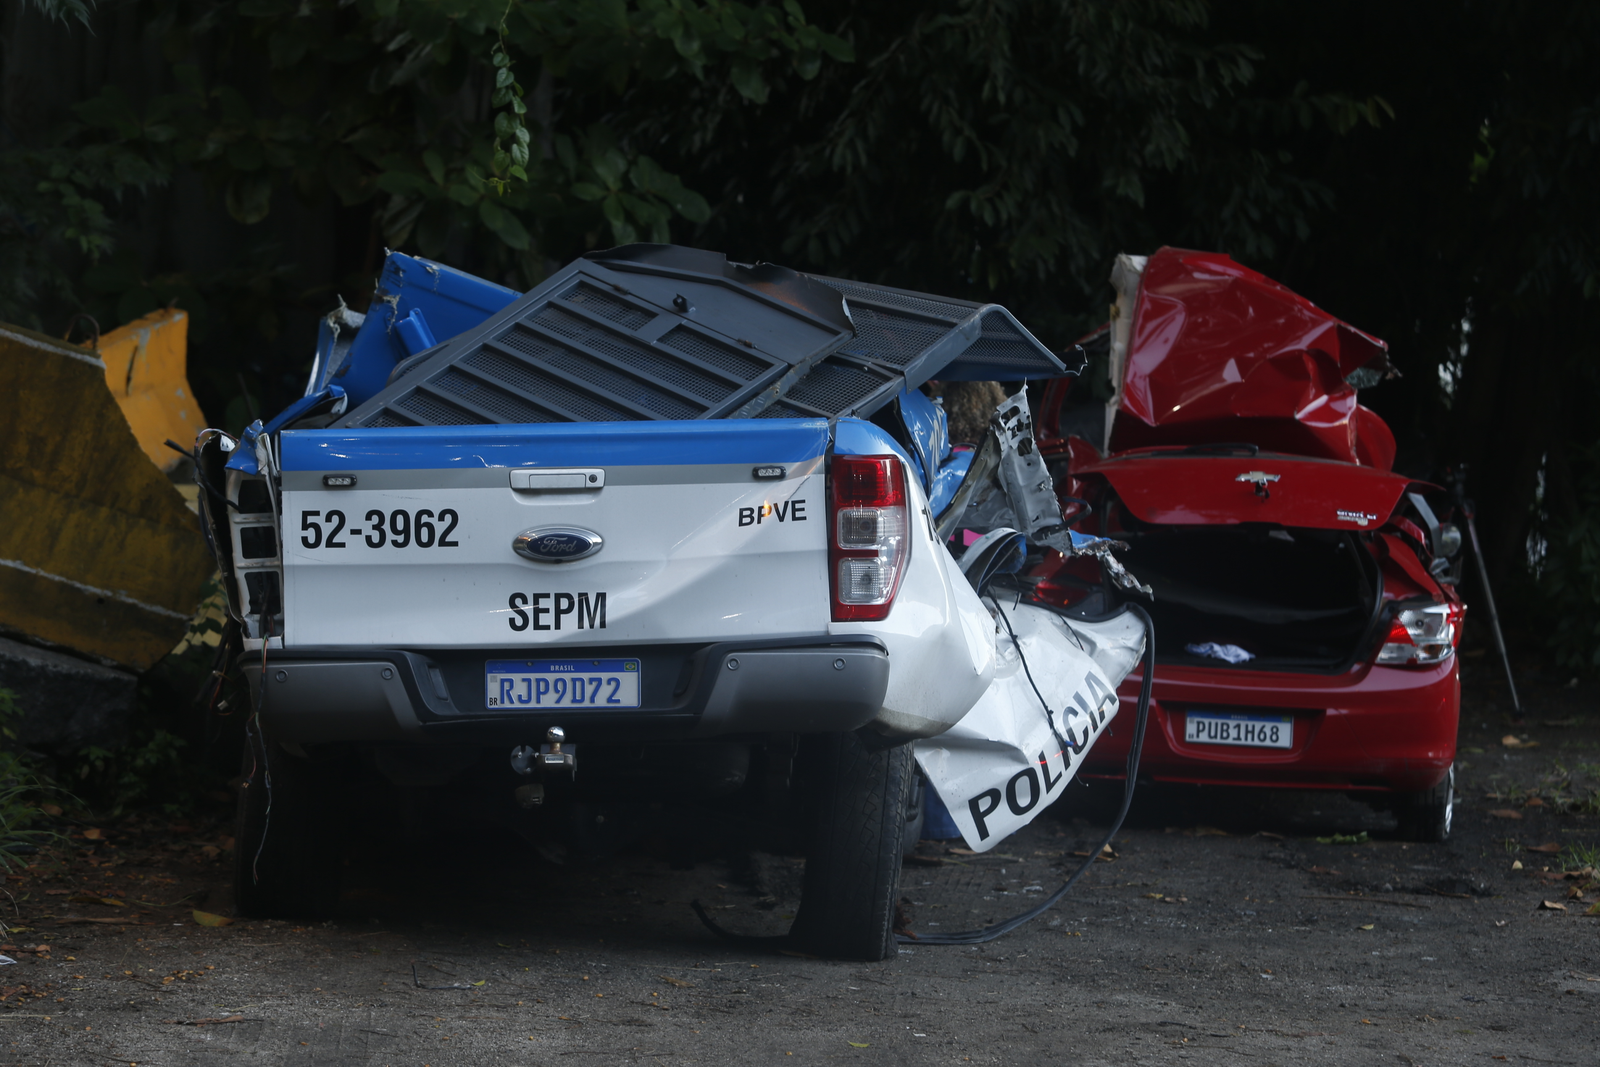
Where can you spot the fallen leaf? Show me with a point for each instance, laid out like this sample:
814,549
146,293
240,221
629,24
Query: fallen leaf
1513,741
1501,922
1367,927
1105,855
75,920
1548,846
50,809
1506,813
1516,865
961,852
90,898
1533,802
206,918
858,1044
1594,909
1551,905
679,982
57,892
1155,896
1574,893
94,835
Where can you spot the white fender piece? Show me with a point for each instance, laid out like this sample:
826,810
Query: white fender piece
1022,742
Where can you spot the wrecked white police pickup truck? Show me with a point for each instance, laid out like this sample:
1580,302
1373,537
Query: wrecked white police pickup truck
664,528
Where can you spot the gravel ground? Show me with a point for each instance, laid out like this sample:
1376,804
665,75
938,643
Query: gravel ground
1222,931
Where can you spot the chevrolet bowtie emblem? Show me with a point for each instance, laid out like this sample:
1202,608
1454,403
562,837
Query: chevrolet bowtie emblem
1259,479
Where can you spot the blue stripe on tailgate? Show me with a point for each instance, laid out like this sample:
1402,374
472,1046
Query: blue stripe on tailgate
568,444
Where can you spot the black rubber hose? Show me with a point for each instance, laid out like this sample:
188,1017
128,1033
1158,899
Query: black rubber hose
999,929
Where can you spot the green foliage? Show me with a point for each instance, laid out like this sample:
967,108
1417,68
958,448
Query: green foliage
151,769
21,793
411,106
62,10
1576,856
1570,582
183,748
1010,150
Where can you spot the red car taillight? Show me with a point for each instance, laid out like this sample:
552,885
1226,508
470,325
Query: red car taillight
1420,637
867,543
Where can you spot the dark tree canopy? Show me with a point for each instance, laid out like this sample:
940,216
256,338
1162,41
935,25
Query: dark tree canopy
1425,173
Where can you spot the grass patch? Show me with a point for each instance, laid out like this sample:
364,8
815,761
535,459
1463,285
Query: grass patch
1576,857
21,794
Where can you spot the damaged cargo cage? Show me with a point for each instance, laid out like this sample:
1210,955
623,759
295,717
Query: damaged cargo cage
665,529
660,332
1304,591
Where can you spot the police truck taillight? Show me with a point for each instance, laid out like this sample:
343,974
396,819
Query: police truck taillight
867,546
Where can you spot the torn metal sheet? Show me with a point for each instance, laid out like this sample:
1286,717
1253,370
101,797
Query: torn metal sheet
1054,691
416,300
1013,487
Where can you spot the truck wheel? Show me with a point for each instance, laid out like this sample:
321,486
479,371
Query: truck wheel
855,823
287,852
1426,816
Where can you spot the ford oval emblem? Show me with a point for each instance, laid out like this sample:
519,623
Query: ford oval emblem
557,544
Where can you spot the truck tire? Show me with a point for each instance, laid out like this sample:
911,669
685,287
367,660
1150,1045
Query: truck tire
916,811
1427,815
855,823
287,853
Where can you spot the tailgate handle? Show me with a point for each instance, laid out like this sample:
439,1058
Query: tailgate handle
562,478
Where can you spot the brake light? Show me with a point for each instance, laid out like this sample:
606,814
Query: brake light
867,544
1419,637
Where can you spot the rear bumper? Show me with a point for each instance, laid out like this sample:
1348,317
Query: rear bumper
824,685
1371,729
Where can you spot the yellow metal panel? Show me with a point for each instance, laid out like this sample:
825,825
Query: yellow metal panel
97,551
147,366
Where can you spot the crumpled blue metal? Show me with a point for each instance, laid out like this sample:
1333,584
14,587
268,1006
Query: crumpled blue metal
243,457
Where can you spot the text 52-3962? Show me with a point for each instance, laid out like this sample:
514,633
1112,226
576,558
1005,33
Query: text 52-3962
398,528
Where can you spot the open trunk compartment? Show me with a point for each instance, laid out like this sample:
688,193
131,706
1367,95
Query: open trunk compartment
1297,599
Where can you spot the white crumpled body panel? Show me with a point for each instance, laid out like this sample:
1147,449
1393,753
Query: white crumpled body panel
940,637
1008,758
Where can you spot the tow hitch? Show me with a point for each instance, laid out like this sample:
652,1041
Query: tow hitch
548,760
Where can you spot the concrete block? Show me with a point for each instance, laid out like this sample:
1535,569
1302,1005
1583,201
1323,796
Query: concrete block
65,702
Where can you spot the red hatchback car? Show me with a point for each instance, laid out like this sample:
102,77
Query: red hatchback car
1305,607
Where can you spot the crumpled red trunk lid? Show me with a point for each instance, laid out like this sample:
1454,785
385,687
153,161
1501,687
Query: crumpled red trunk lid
1219,352
1172,486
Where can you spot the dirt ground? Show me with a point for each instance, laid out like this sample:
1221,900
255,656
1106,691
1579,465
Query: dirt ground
1223,931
